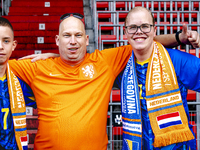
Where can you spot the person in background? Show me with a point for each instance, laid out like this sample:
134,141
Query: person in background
13,95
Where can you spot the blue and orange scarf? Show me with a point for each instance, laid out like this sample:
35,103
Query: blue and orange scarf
18,110
164,103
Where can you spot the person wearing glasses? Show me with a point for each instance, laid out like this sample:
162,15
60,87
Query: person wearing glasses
73,91
154,84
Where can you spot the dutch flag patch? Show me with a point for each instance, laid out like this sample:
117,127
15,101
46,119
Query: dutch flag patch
168,120
24,142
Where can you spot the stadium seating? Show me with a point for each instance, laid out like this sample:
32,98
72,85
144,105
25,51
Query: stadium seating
157,5
169,16
36,23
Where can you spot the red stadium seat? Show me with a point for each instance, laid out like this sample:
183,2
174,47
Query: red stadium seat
191,95
27,11
163,27
103,5
116,96
117,130
27,26
196,25
41,3
175,28
105,27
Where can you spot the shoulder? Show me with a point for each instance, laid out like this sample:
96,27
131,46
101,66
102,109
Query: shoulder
178,56
178,53
187,68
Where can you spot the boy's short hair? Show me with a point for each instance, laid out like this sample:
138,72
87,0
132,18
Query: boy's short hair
140,8
5,22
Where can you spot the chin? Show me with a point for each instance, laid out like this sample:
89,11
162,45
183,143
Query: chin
139,48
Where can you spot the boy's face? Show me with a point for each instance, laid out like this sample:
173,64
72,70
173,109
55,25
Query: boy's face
140,41
7,44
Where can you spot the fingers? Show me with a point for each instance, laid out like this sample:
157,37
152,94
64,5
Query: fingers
194,39
190,37
183,36
28,57
184,29
36,59
33,57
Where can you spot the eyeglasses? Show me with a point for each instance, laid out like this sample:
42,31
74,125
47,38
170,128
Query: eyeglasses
145,28
76,15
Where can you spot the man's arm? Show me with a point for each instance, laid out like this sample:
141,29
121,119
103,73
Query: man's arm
36,57
186,37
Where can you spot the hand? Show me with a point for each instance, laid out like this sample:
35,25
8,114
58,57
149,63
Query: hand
36,57
189,37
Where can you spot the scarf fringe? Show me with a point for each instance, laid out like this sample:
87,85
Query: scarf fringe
173,137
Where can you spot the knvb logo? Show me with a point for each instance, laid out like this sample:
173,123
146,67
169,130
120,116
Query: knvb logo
88,71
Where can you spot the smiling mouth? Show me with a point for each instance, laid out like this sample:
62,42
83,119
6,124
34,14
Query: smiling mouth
139,39
73,49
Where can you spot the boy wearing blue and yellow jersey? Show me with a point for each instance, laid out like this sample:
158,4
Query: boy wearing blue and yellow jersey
13,134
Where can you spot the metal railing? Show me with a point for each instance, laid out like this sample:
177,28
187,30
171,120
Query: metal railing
5,4
171,11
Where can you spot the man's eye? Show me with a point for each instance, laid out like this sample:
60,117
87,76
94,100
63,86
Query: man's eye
78,35
133,27
66,35
6,41
145,26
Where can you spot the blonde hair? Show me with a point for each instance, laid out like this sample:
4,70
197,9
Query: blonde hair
139,8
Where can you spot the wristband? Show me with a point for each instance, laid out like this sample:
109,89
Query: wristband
177,37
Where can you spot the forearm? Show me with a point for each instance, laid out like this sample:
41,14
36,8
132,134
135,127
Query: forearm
185,36
43,56
168,40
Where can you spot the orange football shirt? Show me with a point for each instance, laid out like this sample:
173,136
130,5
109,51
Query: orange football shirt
73,102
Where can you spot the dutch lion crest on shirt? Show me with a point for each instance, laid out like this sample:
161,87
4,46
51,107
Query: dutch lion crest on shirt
88,71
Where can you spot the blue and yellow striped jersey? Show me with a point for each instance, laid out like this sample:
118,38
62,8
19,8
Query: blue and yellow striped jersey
7,134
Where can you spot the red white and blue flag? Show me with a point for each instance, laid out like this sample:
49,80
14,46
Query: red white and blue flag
168,120
24,142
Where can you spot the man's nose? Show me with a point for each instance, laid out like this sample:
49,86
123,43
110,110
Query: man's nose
1,45
139,30
73,40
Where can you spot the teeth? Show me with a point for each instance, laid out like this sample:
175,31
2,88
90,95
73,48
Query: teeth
73,49
139,39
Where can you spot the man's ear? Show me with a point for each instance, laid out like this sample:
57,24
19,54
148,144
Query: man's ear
57,39
155,30
87,40
14,45
125,32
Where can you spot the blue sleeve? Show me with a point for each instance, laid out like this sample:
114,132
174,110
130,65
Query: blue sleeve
187,68
117,83
28,94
